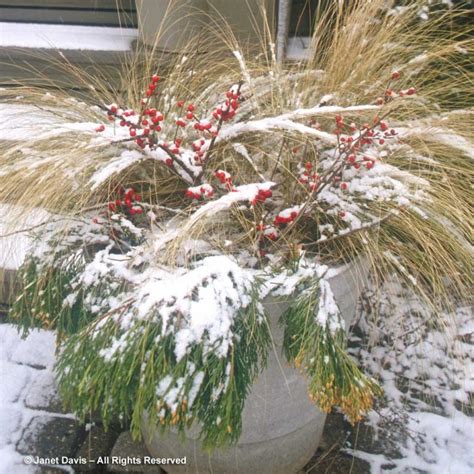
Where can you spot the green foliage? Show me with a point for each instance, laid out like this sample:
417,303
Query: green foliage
52,294
123,361
318,349
145,375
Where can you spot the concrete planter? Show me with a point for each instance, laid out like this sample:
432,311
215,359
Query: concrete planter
15,246
171,24
281,428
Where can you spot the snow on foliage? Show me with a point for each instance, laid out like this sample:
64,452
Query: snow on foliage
423,423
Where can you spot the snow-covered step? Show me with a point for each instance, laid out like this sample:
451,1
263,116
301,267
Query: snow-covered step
39,54
66,37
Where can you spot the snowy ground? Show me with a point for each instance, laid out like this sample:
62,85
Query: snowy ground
426,423
420,428
26,380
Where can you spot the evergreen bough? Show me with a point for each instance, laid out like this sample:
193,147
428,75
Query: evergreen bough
127,350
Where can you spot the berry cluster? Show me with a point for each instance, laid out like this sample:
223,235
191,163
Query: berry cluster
145,125
225,178
261,196
287,216
228,109
128,202
308,177
391,94
267,232
202,191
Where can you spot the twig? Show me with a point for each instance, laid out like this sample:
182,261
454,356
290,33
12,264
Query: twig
214,138
174,157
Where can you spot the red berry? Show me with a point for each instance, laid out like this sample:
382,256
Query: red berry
342,214
191,108
411,91
155,78
133,132
343,186
100,128
180,103
369,164
180,123
169,162
395,75
189,115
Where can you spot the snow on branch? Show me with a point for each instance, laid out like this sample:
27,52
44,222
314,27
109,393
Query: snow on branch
286,122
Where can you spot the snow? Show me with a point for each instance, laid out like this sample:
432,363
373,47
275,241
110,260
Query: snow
209,316
246,192
328,311
19,376
426,378
286,122
64,37
299,48
39,122
444,136
14,244
115,166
